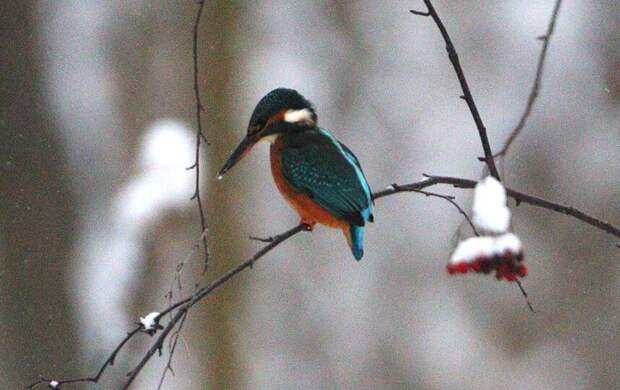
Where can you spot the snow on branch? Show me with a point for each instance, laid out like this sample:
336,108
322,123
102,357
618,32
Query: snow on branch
490,213
497,250
502,254
150,323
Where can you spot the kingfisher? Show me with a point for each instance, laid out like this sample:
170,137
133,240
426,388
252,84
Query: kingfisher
320,178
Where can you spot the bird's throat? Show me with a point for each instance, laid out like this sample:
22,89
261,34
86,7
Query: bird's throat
270,138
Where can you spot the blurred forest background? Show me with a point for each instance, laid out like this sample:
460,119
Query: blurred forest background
97,122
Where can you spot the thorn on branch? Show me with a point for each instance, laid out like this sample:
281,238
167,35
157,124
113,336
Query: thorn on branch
463,97
420,13
271,239
482,159
193,166
261,239
542,37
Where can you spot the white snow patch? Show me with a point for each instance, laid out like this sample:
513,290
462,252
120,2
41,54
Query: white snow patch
476,247
508,242
489,210
148,322
472,248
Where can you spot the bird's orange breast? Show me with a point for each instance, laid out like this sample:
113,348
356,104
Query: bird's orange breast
309,211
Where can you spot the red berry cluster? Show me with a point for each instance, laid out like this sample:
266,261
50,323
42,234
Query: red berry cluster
507,266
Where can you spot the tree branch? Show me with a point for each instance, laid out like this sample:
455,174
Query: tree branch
187,303
467,96
184,305
172,346
94,379
199,135
536,86
449,198
519,197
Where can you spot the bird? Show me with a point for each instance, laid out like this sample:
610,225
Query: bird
319,176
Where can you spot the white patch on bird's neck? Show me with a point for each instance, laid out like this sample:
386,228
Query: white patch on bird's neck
299,116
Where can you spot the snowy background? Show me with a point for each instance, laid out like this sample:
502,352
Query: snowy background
97,124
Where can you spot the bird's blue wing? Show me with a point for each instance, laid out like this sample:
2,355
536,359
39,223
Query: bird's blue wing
316,164
353,158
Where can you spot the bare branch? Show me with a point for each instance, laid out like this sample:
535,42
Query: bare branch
262,239
184,305
94,379
537,81
467,96
450,199
199,134
187,303
173,346
516,195
203,221
525,296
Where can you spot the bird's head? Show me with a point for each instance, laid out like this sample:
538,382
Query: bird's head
280,111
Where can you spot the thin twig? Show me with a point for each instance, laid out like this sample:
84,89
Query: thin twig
199,134
173,347
527,298
94,379
450,199
181,266
537,81
467,96
199,138
262,239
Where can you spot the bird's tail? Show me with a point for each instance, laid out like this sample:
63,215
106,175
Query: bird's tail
355,238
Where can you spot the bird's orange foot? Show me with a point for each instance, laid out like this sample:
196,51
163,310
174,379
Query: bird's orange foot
309,224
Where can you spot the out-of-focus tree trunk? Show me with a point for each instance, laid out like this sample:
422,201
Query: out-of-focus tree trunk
36,218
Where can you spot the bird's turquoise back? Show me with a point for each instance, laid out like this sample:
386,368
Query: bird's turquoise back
315,163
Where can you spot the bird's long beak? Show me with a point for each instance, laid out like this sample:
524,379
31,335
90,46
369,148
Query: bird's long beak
244,147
